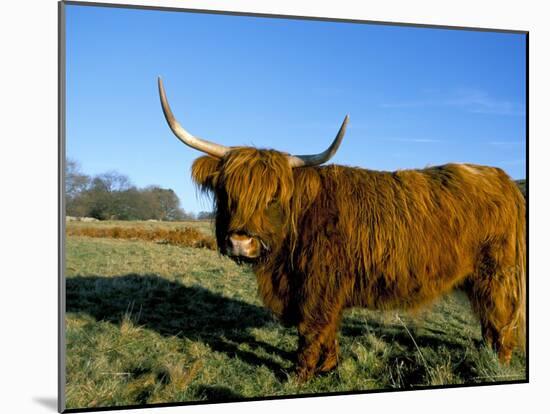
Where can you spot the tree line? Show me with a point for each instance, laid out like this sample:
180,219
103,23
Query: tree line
112,196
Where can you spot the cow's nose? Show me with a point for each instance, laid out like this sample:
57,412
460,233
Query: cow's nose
242,245
240,240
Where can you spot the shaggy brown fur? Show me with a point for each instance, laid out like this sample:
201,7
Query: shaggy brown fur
337,237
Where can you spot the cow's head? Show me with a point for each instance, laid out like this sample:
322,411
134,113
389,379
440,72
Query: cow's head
255,190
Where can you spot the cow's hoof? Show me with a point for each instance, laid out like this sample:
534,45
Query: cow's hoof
303,375
505,356
328,365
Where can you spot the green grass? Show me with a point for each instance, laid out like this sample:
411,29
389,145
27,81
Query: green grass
151,323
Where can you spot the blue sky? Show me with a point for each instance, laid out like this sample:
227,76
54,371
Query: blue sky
415,96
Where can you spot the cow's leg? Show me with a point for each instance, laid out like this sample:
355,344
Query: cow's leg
495,312
309,350
329,354
317,348
494,292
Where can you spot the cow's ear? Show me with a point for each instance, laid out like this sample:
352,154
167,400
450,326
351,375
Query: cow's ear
205,171
306,187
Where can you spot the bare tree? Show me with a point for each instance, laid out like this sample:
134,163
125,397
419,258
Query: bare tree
75,180
111,195
205,215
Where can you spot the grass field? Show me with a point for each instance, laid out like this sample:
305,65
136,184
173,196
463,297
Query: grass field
149,322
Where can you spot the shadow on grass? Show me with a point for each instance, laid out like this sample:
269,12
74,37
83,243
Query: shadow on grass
218,393
411,365
172,309
418,350
425,338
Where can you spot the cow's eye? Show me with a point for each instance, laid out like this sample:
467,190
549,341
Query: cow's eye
274,212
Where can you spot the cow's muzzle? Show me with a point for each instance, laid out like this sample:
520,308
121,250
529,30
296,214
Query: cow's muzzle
243,245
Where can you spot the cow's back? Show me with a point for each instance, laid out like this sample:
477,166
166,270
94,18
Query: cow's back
399,239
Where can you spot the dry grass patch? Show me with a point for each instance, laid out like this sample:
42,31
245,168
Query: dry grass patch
180,236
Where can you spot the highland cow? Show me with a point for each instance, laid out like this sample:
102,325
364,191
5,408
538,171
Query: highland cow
325,238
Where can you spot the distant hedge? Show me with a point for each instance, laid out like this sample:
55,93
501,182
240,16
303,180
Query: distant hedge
522,185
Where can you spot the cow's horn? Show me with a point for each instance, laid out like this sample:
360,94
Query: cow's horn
316,159
200,144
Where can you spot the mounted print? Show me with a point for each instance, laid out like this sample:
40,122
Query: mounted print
259,206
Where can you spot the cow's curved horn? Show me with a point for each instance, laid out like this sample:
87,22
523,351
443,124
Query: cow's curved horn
200,144
316,159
